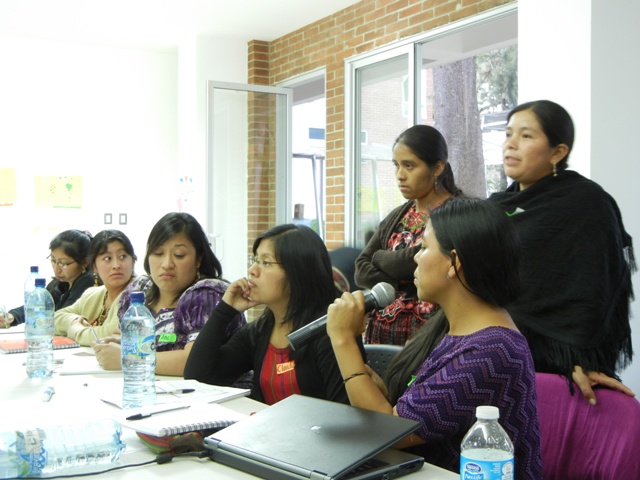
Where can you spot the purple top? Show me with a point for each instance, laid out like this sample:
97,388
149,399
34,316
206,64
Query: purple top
175,327
490,367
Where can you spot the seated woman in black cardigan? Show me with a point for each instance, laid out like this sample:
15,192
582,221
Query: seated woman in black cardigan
290,274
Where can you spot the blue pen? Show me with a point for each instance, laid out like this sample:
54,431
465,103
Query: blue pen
47,394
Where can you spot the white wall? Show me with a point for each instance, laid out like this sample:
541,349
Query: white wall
130,122
615,109
581,54
107,115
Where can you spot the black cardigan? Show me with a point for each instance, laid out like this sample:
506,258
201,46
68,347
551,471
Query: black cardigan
213,362
63,296
377,264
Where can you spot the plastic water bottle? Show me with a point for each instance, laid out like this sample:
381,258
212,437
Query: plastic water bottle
32,453
30,283
486,449
138,354
39,311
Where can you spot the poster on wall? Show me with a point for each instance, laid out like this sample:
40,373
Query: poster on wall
7,187
58,192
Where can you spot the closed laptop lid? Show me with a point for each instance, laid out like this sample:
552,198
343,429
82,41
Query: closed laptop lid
310,437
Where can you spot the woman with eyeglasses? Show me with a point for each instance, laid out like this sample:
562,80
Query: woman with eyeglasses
94,315
182,286
290,274
72,273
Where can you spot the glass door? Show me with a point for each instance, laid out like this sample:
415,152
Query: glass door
248,167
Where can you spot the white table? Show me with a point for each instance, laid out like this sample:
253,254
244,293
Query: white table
77,399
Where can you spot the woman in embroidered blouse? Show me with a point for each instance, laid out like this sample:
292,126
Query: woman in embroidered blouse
426,180
468,264
71,269
113,259
290,274
181,289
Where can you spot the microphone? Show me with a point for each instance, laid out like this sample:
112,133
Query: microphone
381,295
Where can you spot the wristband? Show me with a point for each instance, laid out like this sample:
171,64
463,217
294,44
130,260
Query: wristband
357,374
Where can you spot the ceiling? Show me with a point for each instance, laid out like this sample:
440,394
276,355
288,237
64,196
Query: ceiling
159,23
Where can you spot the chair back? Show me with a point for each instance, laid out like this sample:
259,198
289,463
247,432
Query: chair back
379,356
585,442
343,261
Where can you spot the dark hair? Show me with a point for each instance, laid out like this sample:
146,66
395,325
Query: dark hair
305,260
487,244
407,362
100,244
556,123
429,145
172,224
488,247
74,243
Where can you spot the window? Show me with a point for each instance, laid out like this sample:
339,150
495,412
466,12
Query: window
462,79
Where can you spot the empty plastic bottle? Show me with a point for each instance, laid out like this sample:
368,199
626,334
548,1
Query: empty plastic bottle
486,449
32,453
138,354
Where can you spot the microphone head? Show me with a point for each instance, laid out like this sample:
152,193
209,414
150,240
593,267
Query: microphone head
384,294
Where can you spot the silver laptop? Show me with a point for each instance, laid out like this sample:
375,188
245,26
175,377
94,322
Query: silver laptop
306,438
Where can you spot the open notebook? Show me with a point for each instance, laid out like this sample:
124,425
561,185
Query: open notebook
303,437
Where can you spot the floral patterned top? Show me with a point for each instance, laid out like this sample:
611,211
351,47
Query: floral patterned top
398,321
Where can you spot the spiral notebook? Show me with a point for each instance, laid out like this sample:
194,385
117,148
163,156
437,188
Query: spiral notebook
197,417
20,345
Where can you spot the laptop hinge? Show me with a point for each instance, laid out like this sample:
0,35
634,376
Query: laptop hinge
318,476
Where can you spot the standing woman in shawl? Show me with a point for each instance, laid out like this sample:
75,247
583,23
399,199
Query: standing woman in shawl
577,257
426,180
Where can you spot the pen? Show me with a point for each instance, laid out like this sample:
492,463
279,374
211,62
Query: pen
47,394
93,330
139,416
180,390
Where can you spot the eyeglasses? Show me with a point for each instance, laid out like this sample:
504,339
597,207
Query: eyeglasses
263,263
62,266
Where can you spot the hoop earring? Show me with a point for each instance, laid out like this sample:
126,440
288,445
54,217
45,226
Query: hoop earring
555,170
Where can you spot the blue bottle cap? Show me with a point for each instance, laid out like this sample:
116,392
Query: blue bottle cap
137,297
34,269
41,282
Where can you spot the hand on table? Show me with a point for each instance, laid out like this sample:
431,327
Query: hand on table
108,352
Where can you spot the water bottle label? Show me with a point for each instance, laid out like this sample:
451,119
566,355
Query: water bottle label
471,469
39,321
144,347
30,446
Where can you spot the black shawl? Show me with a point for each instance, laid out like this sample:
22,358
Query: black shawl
576,265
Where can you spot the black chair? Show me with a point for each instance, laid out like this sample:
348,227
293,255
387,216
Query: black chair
343,261
379,356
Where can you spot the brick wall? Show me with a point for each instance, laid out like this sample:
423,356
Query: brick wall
363,27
